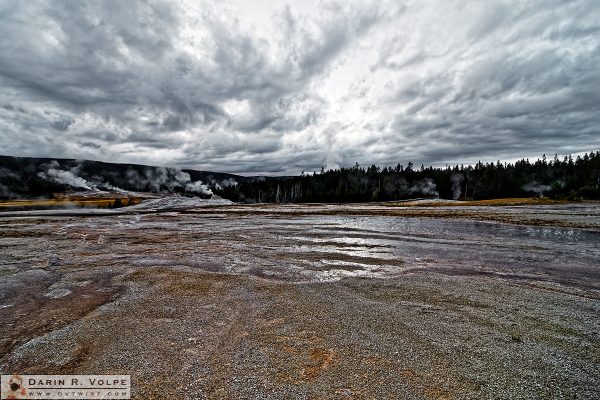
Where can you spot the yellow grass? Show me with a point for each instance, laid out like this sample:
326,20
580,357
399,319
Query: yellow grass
76,201
71,202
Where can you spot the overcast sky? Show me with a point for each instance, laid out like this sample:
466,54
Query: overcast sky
279,86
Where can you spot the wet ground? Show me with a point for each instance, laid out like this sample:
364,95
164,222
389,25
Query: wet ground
315,301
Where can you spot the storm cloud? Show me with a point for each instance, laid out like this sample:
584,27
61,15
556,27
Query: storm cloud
279,88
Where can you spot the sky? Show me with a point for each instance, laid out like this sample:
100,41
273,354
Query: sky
280,87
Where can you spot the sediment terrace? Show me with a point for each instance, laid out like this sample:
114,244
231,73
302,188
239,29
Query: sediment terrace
360,301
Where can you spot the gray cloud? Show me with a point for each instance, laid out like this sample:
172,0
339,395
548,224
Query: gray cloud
206,86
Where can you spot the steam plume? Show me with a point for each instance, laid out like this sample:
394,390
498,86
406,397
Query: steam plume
426,187
457,180
65,177
537,188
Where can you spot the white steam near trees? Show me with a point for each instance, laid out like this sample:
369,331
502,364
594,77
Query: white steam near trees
536,188
65,177
425,187
155,179
457,180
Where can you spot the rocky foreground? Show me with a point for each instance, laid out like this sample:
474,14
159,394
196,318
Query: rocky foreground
314,301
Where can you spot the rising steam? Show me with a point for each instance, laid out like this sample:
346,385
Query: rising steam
198,187
152,179
537,188
69,178
426,187
457,180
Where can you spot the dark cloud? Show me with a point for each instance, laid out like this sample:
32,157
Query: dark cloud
203,85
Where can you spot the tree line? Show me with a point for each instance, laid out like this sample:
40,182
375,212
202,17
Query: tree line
567,178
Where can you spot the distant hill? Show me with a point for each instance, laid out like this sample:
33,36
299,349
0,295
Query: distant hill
26,177
570,178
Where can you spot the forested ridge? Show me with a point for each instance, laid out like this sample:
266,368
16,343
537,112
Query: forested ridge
566,178
571,178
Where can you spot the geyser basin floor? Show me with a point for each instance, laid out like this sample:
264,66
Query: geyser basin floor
352,301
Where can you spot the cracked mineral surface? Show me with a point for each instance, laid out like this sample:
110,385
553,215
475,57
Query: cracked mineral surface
368,301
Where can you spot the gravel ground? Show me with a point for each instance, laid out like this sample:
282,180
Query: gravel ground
218,304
